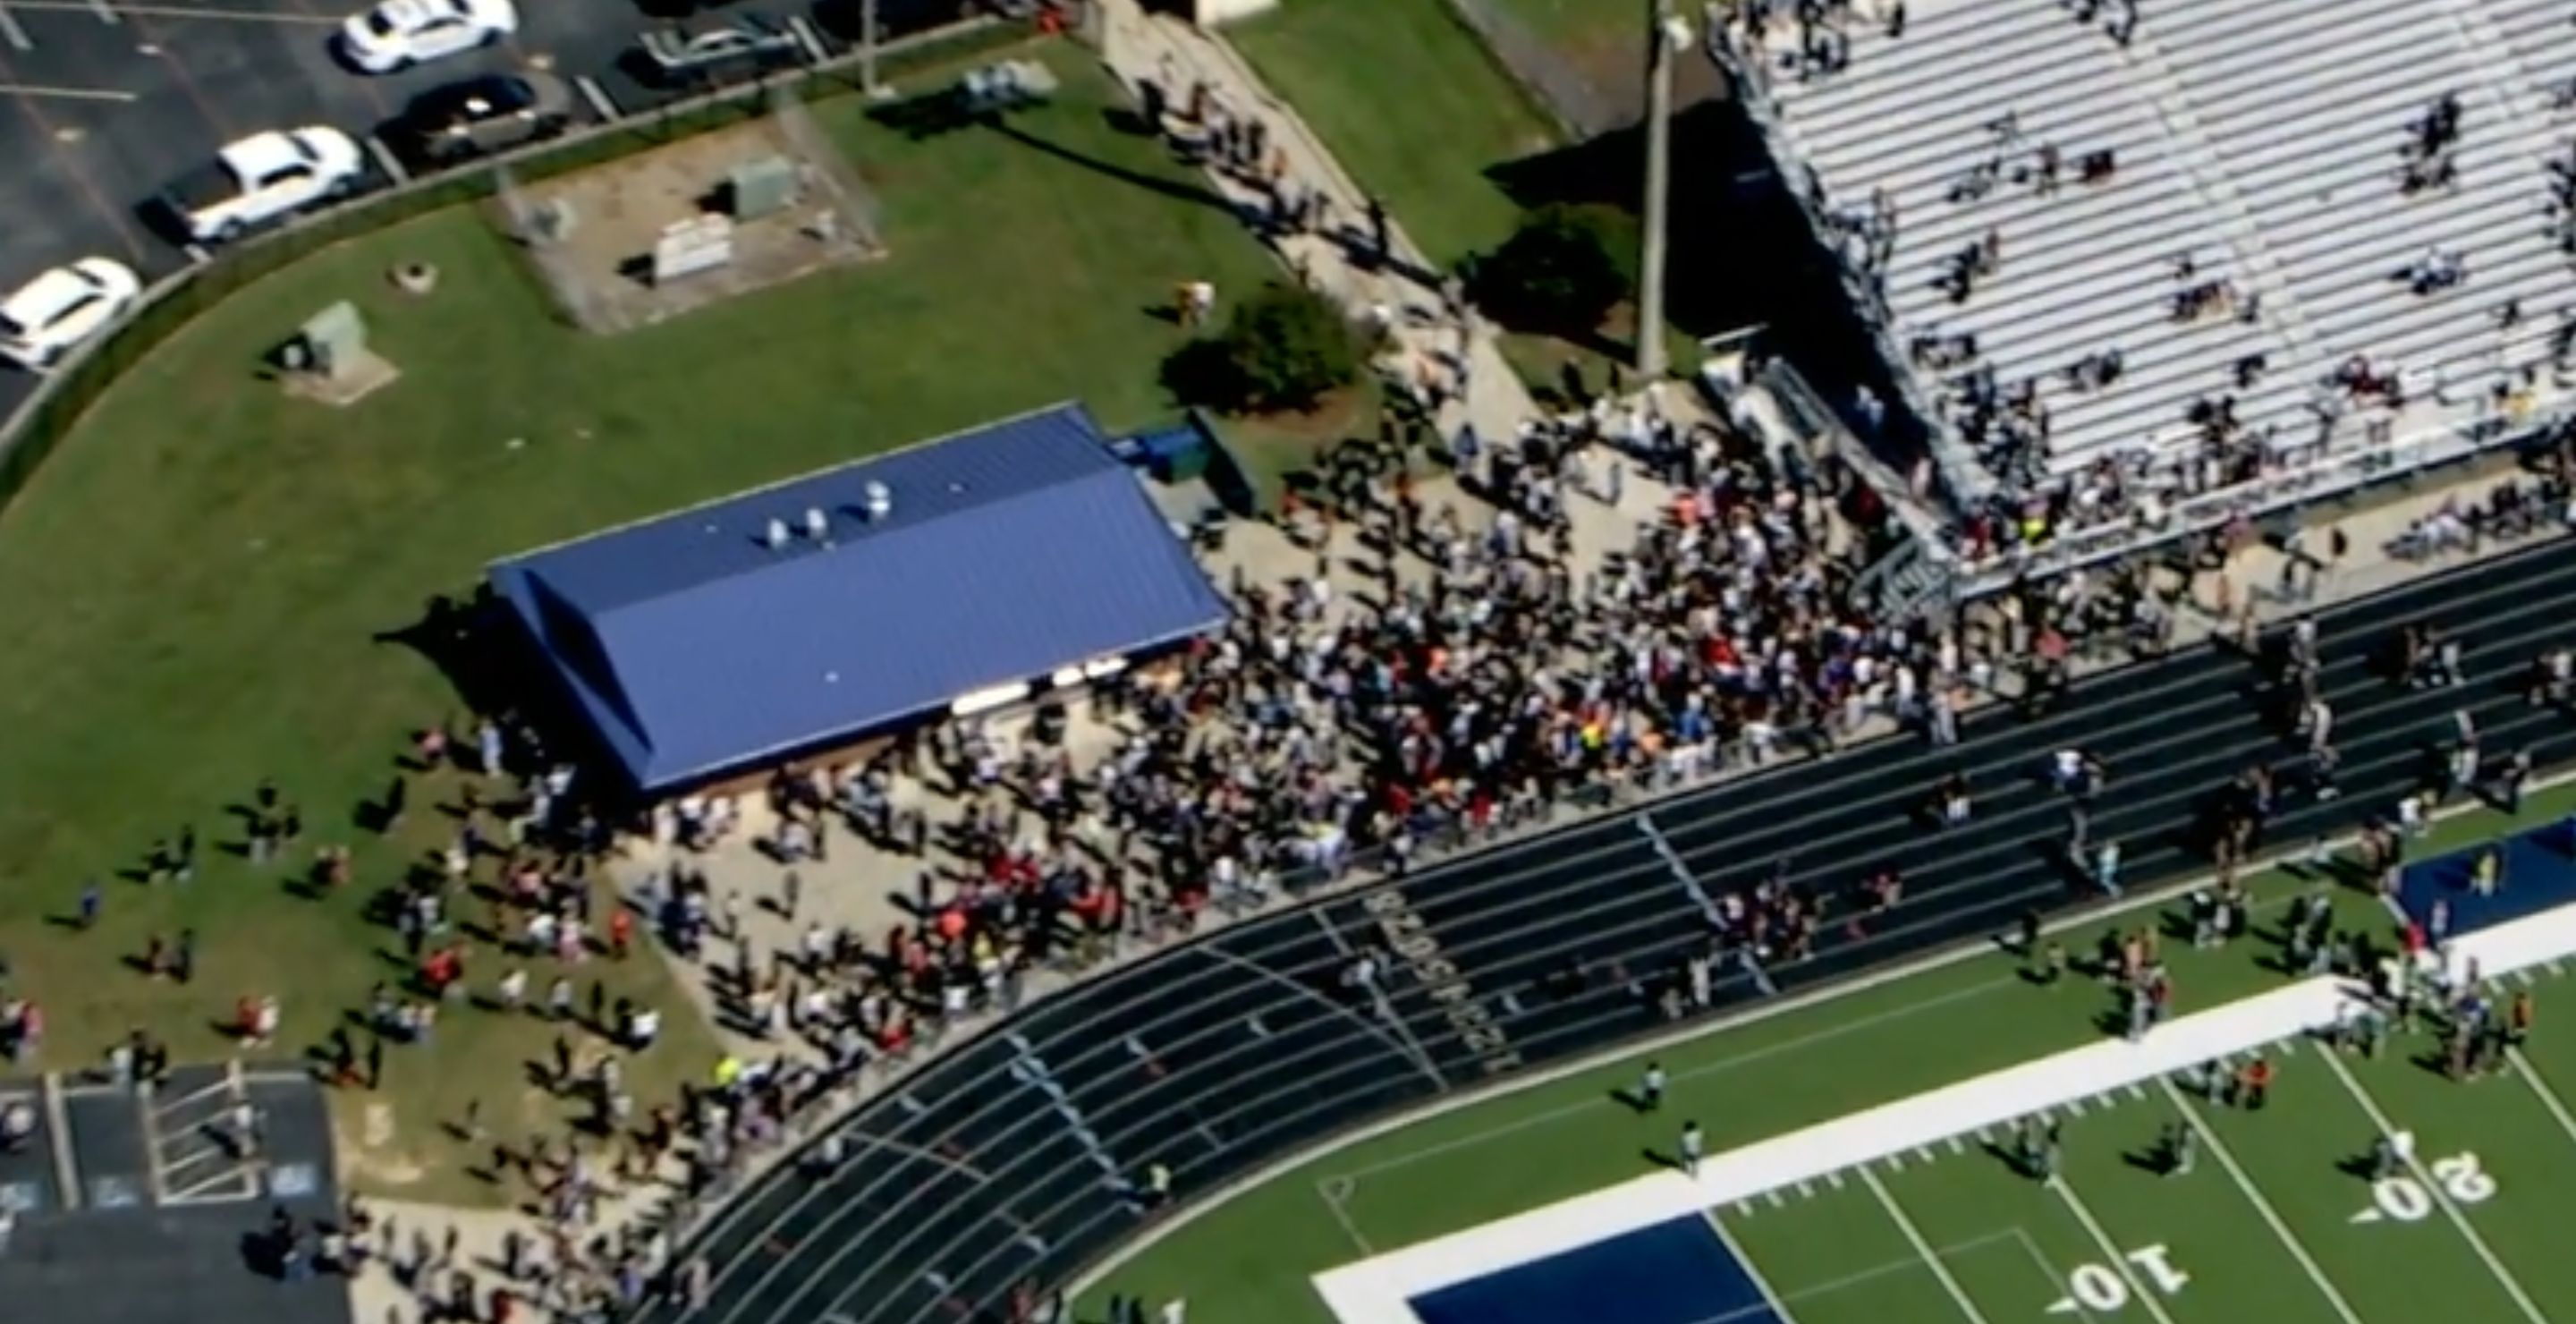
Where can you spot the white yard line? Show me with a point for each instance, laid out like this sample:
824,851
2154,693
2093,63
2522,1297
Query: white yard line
2047,1272
2548,1097
1752,1272
1851,1280
1332,1190
2459,1221
1914,1238
2254,1196
2143,1293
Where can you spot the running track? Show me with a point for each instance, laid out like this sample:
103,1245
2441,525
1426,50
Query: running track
996,1161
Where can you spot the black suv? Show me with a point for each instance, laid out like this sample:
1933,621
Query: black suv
493,113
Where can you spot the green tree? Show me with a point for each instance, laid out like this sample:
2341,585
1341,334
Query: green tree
1283,349
1562,271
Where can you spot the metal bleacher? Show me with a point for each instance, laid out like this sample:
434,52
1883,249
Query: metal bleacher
2261,139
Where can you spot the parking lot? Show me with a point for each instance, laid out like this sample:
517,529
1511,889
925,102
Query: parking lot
103,102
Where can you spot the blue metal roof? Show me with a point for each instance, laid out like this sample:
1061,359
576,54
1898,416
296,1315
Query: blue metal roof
1009,553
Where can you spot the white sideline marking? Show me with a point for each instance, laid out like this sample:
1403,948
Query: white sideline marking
2548,1097
2141,1292
2459,1221
1914,1238
1745,1262
1375,1291
2254,1196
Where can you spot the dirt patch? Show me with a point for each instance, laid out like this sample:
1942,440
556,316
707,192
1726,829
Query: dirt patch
594,234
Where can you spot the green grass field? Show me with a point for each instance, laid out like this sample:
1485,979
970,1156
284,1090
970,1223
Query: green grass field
1835,1252
197,581
1412,104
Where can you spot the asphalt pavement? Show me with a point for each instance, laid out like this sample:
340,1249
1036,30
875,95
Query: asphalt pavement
1007,1159
104,102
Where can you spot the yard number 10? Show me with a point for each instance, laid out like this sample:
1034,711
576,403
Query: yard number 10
2103,1289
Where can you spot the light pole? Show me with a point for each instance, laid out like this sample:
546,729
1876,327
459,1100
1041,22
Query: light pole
1667,37
868,46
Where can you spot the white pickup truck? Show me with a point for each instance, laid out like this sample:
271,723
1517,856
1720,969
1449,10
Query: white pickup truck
261,178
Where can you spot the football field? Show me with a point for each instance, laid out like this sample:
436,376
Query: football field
2279,1216
1836,1189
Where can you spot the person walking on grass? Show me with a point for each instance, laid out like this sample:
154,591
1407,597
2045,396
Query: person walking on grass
1693,1145
1650,1088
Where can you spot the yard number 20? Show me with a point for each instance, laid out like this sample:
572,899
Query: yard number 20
2406,1200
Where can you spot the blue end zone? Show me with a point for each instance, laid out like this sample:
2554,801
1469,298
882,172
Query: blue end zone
2539,874
1671,1273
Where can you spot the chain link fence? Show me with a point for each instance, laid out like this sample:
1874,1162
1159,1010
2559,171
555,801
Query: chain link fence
857,220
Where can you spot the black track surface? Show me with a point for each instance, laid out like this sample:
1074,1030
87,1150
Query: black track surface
1000,1160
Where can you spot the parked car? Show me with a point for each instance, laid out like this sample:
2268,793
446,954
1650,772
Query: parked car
261,178
51,315
751,43
398,34
493,113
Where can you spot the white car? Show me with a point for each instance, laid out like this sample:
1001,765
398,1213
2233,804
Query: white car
56,311
263,177
398,34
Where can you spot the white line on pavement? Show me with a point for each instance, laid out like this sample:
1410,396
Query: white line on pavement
2459,1221
386,160
1914,1238
58,1134
117,13
2254,1196
597,96
2143,1293
17,36
1752,1274
64,93
806,37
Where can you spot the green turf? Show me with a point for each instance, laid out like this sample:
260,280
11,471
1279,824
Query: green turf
195,583
1412,105
1248,1258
